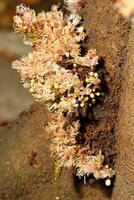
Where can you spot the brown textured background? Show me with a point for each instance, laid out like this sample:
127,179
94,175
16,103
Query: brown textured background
26,169
124,186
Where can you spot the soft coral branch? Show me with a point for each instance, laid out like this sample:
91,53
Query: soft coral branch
57,74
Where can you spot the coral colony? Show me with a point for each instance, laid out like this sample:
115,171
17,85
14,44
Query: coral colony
58,75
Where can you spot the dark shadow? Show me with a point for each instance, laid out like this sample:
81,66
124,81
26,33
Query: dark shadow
92,182
78,185
101,69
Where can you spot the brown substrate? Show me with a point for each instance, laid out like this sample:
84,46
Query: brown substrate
108,34
26,169
124,186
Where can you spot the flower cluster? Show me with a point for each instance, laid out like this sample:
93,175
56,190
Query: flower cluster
58,75
74,5
24,19
68,153
55,41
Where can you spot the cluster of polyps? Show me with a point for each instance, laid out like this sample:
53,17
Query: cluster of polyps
68,153
74,5
57,74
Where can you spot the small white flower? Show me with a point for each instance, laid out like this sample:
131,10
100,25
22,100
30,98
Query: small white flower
20,9
17,20
76,20
80,29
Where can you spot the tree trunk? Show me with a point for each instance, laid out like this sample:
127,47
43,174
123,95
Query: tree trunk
124,186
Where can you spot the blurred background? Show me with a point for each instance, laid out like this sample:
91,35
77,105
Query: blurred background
13,97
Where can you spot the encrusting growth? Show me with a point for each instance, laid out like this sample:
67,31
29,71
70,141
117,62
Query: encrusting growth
58,75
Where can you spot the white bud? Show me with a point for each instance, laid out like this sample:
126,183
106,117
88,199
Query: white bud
108,182
80,29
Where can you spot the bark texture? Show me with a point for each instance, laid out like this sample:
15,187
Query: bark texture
124,186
